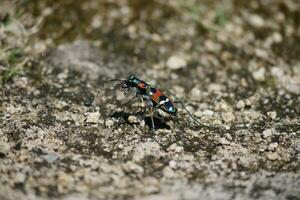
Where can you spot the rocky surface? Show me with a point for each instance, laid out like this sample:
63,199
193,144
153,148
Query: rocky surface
63,134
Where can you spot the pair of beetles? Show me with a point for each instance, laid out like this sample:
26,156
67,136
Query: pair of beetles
154,97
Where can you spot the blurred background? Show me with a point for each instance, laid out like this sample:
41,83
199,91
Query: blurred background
217,40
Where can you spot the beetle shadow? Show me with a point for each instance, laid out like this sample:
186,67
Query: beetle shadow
158,123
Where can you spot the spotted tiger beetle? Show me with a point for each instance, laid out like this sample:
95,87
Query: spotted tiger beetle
154,97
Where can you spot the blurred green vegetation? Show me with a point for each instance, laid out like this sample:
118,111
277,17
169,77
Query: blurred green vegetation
12,44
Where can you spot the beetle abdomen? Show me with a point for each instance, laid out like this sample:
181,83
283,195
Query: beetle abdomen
162,101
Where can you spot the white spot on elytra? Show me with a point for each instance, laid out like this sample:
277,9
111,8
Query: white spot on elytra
164,101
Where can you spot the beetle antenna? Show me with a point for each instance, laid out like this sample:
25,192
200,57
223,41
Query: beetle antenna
190,114
111,80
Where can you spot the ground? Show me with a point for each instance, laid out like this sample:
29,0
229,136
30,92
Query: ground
234,64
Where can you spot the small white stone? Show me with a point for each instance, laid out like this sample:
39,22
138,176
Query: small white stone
228,117
92,117
228,137
195,94
256,20
259,75
277,38
277,72
240,104
179,149
96,22
176,62
179,90
273,146
4,148
248,102
133,167
50,158
142,123
272,156
168,172
132,119
120,146
198,113
109,123
172,147
272,114
19,178
152,185
224,141
172,164
208,113
261,53
214,87
60,105
267,133
176,148
65,182
212,46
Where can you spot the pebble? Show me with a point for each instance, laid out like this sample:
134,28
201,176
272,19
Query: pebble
133,167
92,117
172,147
179,149
267,133
256,20
50,158
272,114
168,172
120,146
277,37
152,185
176,62
96,22
172,164
272,156
208,113
65,182
19,178
228,137
133,119
228,117
259,75
212,46
4,148
176,148
257,137
109,123
240,104
273,146
224,141
214,87
195,94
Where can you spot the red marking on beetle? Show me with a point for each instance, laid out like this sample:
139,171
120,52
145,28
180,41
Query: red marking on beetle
142,85
155,96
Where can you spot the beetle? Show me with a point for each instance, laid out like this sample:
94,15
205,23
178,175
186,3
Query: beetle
154,97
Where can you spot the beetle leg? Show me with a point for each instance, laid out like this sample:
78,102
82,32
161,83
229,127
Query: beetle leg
151,111
142,105
194,119
152,120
